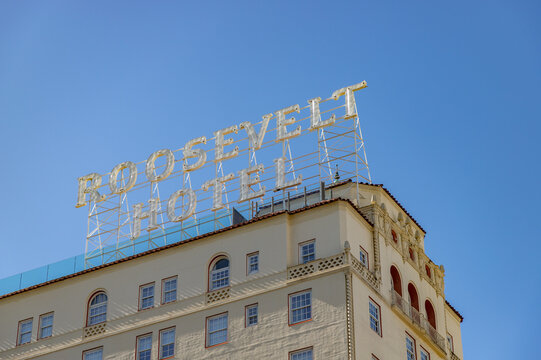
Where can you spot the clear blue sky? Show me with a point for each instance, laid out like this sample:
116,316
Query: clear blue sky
451,120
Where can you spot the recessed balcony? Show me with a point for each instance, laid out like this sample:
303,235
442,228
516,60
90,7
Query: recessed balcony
417,319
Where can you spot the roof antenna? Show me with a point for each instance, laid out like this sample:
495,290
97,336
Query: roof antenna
336,174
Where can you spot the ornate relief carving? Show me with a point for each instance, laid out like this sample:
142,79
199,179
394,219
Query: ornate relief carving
387,226
409,229
381,221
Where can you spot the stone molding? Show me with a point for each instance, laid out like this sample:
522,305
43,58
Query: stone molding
408,237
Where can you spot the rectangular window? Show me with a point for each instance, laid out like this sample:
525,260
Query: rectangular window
425,355
146,296
304,354
252,263
169,290
300,307
144,347
307,251
450,342
94,354
410,347
24,331
363,256
167,343
45,325
375,316
217,329
251,315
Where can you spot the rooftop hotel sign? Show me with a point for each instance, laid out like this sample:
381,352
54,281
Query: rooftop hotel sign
209,176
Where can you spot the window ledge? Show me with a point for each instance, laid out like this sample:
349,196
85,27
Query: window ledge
300,322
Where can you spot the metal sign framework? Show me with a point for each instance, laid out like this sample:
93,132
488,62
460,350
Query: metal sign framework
312,155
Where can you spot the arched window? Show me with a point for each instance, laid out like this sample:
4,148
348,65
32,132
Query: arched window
97,309
397,283
430,313
219,273
428,273
395,237
412,254
413,297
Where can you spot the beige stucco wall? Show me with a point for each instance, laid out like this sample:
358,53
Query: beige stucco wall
276,238
453,328
271,338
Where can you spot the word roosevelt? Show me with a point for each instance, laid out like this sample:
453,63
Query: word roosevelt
194,158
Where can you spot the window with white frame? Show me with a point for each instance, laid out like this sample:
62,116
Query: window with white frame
304,354
94,354
410,348
450,342
45,325
425,355
169,290
219,275
97,312
146,296
300,307
251,315
167,343
144,347
363,256
375,316
216,329
307,251
252,263
24,331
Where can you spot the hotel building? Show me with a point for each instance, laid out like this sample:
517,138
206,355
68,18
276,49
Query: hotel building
339,273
